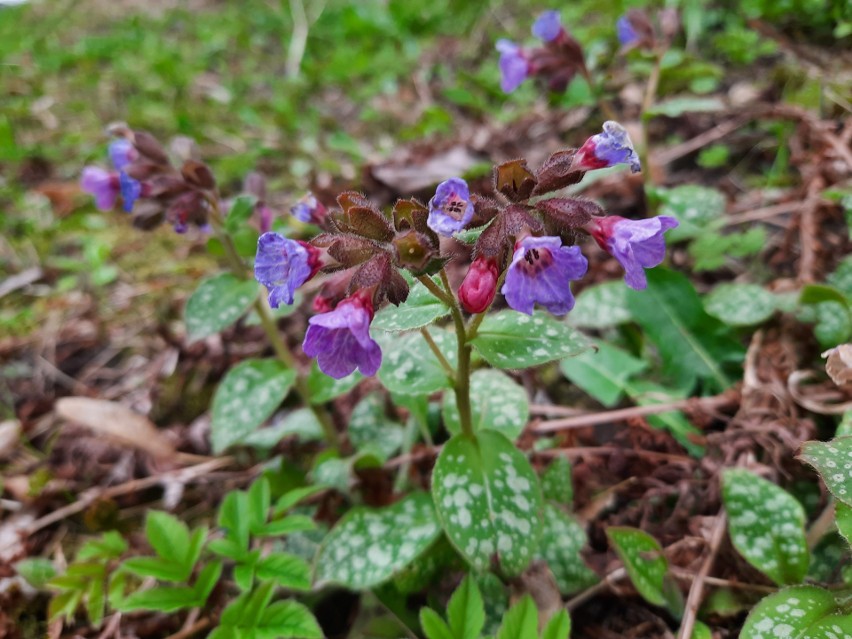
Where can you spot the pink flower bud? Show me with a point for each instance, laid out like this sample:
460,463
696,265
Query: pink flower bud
479,286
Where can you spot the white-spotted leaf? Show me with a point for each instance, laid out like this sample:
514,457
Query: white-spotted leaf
217,303
833,461
843,520
695,207
496,402
323,388
371,430
409,366
420,309
644,560
489,500
766,525
509,339
740,304
601,306
799,612
369,545
556,483
562,540
245,398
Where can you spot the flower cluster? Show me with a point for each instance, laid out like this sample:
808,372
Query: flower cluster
556,61
149,186
529,246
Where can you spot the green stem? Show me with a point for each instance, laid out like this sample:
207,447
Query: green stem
462,380
448,369
645,118
436,290
238,268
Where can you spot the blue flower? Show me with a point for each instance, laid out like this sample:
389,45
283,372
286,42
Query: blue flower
309,210
122,153
636,244
626,33
450,210
540,273
340,339
514,66
282,265
131,190
101,184
612,146
547,26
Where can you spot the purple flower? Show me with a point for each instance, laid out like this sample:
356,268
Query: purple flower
514,67
282,265
122,153
101,184
450,210
626,33
609,148
130,190
540,273
636,244
340,339
547,26
309,210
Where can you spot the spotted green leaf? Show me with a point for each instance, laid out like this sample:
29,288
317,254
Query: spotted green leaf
562,540
420,309
323,388
509,339
496,402
217,303
601,306
488,500
695,207
371,430
369,545
843,520
409,367
799,612
833,461
766,525
740,304
556,483
249,394
644,560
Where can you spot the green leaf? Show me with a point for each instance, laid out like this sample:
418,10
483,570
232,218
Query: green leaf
371,429
433,626
409,366
495,598
816,293
217,303
286,570
369,545
207,579
766,525
843,520
695,207
521,622
712,250
497,402
489,500
833,324
562,540
285,526
241,210
322,388
95,601
64,605
288,619
259,501
234,518
833,461
247,397
257,602
164,569
420,309
302,423
740,304
161,599
556,483
701,631
799,612
169,537
559,626
509,339
465,611
111,545
603,372
643,558
841,279
691,343
36,570
292,497
601,306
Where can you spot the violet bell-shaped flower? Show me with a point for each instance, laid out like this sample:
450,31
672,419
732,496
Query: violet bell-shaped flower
514,66
340,339
102,185
122,153
282,265
540,273
612,146
309,210
450,209
636,244
627,35
547,26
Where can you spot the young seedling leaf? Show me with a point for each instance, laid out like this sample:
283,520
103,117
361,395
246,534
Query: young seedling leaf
766,525
433,626
643,558
465,611
521,622
509,339
217,303
489,500
369,545
288,619
497,402
286,570
36,570
562,540
245,398
559,626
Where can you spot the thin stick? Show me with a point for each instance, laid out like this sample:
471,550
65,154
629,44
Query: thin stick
448,369
764,213
699,141
687,575
693,600
581,451
183,633
589,593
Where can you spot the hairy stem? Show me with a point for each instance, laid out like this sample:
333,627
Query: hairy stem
462,379
448,369
238,268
